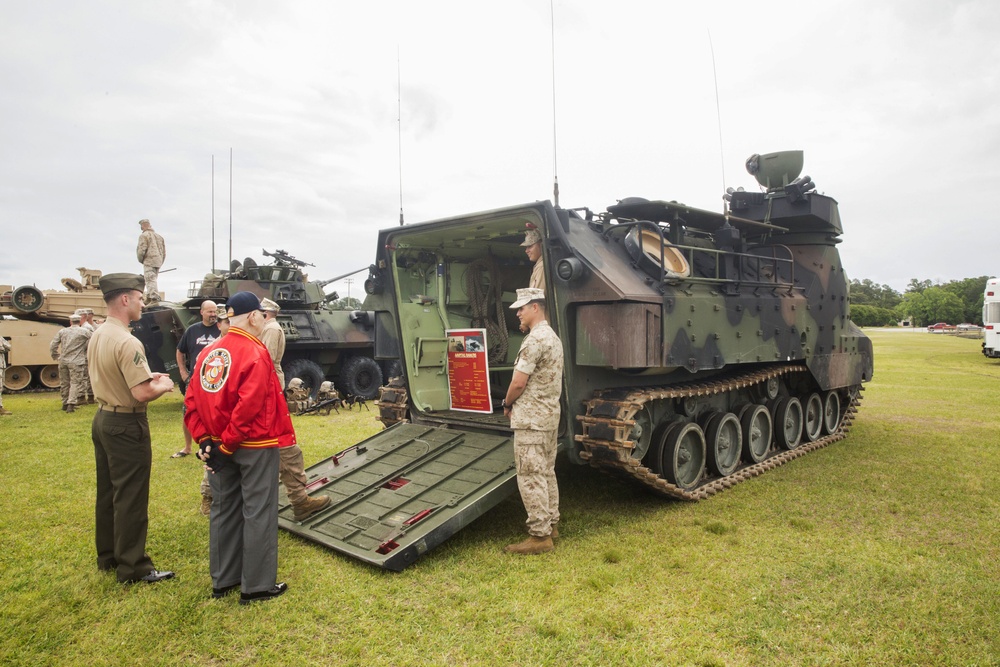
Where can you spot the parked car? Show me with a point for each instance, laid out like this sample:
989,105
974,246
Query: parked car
941,327
969,327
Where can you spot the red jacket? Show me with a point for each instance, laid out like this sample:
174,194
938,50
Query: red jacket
234,396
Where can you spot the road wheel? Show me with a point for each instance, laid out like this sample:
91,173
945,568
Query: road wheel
306,370
813,418
683,458
360,377
756,424
49,376
788,421
16,378
724,439
831,412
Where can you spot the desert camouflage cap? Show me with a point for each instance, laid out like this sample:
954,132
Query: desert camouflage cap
531,237
113,282
267,304
526,295
75,318
144,221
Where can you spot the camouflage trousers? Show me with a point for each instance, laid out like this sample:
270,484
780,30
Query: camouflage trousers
2,369
152,291
71,383
535,460
292,473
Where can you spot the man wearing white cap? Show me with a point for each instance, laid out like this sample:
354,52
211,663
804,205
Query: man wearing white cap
532,404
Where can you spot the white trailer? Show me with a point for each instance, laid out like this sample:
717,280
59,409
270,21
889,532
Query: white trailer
991,318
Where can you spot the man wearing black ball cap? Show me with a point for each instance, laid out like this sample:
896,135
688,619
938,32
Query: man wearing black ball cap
237,414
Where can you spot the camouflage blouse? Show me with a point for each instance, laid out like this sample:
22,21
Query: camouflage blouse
541,359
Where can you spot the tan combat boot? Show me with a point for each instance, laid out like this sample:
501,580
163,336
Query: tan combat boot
206,505
532,545
555,532
306,509
5,411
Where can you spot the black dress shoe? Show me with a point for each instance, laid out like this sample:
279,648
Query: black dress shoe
153,577
273,592
224,591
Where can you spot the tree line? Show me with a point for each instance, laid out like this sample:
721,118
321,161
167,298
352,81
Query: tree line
921,304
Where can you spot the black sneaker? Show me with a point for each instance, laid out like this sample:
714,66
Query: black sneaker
259,596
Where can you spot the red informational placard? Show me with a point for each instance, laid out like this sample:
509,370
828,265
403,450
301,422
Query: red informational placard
468,370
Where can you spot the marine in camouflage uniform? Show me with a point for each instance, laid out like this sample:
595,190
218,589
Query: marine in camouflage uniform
532,403
533,249
151,253
69,348
292,468
4,349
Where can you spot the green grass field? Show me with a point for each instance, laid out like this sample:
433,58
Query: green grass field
882,549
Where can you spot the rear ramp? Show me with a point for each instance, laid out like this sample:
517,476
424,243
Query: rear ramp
404,491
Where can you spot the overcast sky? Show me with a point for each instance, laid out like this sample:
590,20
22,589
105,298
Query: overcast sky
113,110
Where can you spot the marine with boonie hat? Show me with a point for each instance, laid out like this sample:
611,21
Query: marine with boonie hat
123,385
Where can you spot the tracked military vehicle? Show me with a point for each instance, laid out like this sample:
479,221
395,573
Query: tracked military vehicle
31,317
320,343
701,349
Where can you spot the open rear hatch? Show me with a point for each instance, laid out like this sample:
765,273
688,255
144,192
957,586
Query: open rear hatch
404,491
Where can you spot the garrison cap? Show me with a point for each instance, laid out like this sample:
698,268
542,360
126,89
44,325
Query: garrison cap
242,303
531,237
113,282
526,295
267,304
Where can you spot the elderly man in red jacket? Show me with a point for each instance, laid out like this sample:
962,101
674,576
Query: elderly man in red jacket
237,414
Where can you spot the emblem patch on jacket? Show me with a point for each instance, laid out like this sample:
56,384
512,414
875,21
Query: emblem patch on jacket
215,369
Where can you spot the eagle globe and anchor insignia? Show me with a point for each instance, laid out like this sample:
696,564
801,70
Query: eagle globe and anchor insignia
215,369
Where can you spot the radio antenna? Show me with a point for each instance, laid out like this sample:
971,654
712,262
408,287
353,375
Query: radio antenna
399,128
718,114
555,152
213,213
230,206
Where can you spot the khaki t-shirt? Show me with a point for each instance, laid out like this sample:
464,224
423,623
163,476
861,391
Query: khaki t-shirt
117,363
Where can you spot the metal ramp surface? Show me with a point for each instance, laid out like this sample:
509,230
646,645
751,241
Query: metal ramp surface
404,491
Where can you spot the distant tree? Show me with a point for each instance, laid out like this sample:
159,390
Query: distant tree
933,304
347,303
918,286
872,316
869,293
970,291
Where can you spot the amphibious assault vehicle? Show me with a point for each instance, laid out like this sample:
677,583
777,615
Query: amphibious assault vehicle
320,343
701,349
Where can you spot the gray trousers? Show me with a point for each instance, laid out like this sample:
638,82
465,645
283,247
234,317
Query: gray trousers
243,527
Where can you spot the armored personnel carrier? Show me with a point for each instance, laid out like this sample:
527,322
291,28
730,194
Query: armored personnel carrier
320,343
701,349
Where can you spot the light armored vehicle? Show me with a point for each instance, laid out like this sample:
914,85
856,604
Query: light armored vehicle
701,349
320,342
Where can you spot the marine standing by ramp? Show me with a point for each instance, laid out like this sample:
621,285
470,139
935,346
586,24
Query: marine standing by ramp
532,404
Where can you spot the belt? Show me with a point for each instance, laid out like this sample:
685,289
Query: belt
112,408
